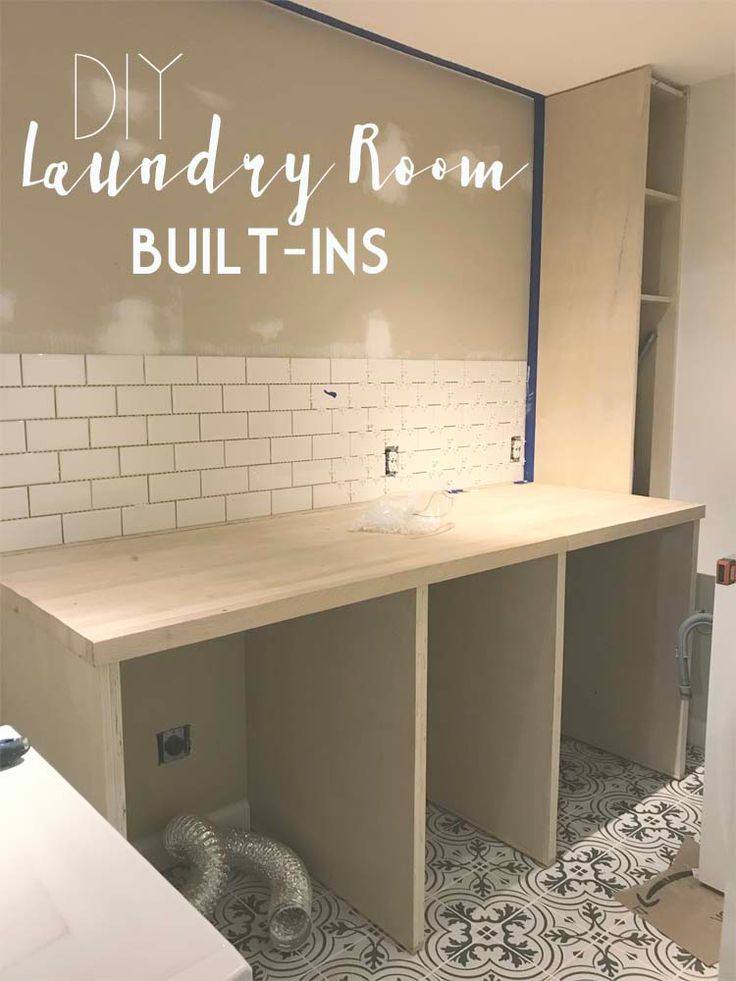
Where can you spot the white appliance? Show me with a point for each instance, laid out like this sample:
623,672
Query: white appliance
78,903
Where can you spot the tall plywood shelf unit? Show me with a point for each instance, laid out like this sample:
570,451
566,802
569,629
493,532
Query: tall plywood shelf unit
659,288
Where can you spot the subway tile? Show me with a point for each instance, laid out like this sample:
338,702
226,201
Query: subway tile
311,472
450,371
57,434
224,425
118,491
288,397
197,398
289,448
384,370
270,475
419,371
365,396
478,371
12,437
28,468
199,456
366,490
143,518
349,370
398,395
267,371
291,499
330,396
174,486
366,444
10,369
350,420
352,468
336,444
170,369
58,498
330,495
221,370
311,421
85,464
30,533
173,429
115,369
13,503
271,423
27,403
384,419
144,400
243,452
306,370
228,480
256,504
204,511
53,369
85,402
146,459
87,525
118,431
244,398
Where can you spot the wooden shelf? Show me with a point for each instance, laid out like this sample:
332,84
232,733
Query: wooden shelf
654,298
651,196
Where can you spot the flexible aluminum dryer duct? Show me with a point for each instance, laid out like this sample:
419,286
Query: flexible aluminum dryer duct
212,852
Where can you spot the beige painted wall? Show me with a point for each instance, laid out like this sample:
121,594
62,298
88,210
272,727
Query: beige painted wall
457,281
203,685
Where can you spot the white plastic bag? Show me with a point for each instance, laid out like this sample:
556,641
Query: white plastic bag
420,513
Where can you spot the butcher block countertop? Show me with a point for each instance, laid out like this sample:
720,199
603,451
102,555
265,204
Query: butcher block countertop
126,597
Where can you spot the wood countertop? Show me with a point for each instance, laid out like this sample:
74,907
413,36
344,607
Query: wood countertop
112,600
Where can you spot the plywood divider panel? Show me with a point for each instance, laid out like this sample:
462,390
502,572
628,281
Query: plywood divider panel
336,750
625,601
495,682
70,711
595,156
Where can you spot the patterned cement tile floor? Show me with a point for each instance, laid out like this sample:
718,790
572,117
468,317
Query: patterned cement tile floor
492,914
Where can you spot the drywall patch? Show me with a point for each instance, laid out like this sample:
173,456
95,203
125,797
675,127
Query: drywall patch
7,306
267,330
378,343
136,325
390,149
211,100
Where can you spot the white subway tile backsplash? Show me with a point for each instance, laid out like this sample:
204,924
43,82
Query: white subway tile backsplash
267,371
174,486
53,369
85,464
83,526
129,444
58,498
10,369
30,533
243,452
221,370
270,475
57,434
204,511
12,437
118,431
118,491
28,468
256,504
146,459
27,403
199,456
142,518
115,369
170,369
224,425
13,503
85,402
144,400
291,499
244,398
228,480
173,429
197,398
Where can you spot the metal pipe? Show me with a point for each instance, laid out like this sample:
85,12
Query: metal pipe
681,651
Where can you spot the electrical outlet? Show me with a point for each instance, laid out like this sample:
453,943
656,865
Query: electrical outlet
391,454
516,449
174,744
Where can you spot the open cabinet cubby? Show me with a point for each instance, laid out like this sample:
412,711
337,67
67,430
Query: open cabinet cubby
659,288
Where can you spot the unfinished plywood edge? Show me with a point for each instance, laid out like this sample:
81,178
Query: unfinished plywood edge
48,624
107,679
420,758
